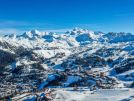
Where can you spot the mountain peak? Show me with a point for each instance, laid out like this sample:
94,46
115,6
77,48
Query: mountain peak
32,34
35,31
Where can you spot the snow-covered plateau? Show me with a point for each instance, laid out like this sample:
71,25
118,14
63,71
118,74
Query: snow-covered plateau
100,63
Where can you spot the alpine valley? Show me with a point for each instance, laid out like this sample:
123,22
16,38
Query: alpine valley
79,58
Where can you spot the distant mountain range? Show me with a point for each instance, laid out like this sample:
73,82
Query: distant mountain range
78,57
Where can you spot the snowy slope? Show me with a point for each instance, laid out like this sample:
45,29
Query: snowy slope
78,57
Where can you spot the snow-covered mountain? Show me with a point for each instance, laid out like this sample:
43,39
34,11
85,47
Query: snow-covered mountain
78,57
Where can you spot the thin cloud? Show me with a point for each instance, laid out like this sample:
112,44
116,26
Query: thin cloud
17,31
90,26
4,24
58,30
19,27
25,24
10,31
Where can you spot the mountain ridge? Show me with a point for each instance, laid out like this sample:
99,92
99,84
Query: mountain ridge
43,59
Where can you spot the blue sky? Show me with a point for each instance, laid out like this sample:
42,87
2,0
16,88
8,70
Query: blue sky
60,15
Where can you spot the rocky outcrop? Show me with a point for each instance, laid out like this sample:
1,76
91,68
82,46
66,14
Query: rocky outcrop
125,65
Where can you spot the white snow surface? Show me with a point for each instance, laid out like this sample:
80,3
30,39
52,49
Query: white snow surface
99,95
50,50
